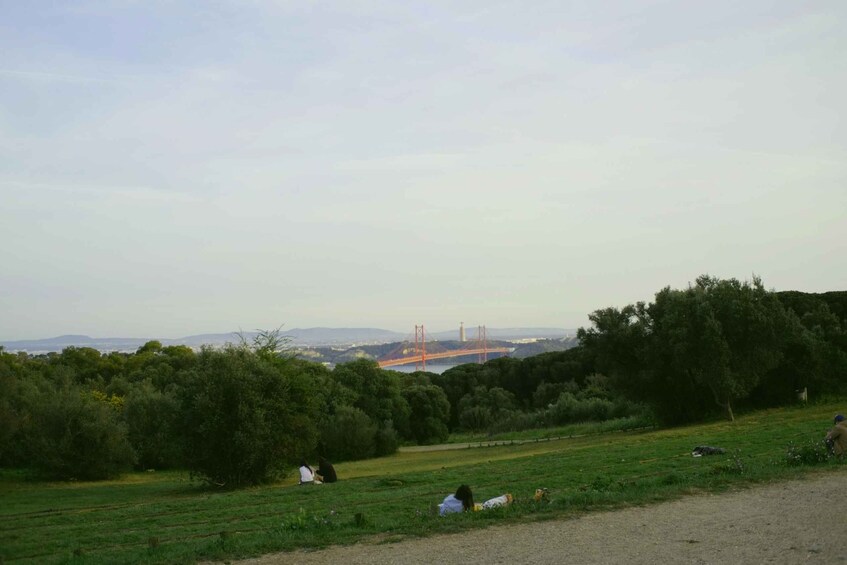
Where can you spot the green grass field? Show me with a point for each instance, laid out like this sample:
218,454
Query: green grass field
162,517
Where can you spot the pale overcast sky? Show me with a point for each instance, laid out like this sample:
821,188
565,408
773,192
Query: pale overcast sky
170,168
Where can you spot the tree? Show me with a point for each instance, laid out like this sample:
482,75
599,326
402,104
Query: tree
151,417
153,346
245,418
617,341
268,344
376,392
742,328
83,361
716,339
430,413
348,434
485,405
456,382
77,435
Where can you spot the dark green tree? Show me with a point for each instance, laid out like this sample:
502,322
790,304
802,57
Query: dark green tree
244,418
376,392
151,416
76,434
348,434
717,339
430,413
485,403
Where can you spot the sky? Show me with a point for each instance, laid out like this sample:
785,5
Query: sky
170,168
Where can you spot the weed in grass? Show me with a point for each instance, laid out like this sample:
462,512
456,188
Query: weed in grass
223,544
390,483
809,453
303,520
731,466
603,483
672,479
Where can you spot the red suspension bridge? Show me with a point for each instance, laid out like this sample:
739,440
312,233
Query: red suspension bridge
407,352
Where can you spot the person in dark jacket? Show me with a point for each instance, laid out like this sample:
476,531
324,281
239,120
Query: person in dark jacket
836,439
326,471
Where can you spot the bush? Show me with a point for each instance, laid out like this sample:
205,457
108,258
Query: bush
151,418
476,418
348,434
76,436
809,453
548,393
569,409
245,417
386,440
517,421
430,413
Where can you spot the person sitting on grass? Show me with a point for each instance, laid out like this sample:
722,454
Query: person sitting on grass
307,475
462,501
836,439
326,472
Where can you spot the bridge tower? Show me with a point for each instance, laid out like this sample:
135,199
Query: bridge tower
482,343
462,332
420,347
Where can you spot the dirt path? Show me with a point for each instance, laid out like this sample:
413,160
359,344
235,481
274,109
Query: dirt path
785,523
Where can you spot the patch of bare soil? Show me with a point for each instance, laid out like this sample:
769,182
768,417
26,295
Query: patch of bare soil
786,523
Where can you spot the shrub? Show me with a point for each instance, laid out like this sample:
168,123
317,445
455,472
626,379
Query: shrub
245,417
547,394
348,434
151,418
569,409
809,453
386,440
516,421
476,418
430,413
76,436
733,465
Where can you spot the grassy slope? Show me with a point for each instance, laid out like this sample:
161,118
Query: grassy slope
164,518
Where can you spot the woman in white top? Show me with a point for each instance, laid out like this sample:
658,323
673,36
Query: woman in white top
307,475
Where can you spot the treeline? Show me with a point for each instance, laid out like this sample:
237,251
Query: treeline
720,344
244,414
233,416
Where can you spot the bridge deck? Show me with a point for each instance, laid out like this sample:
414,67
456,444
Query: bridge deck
441,355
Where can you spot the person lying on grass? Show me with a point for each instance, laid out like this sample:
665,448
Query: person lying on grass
498,501
462,501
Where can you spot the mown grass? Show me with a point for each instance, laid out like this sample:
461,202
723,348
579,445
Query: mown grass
165,518
569,430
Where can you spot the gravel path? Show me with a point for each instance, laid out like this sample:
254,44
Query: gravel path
785,523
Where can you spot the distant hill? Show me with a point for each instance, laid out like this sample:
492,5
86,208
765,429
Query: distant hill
505,333
302,337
